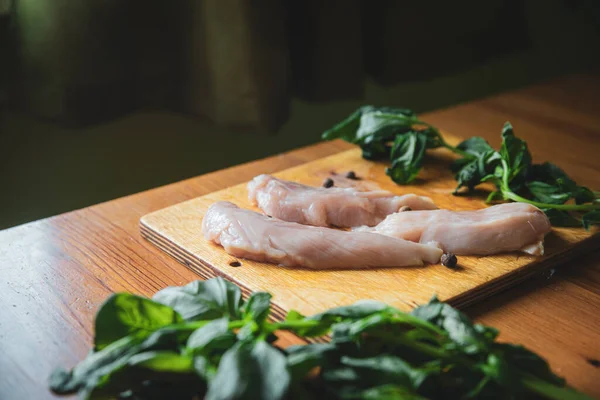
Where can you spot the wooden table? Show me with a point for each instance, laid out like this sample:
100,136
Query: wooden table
54,273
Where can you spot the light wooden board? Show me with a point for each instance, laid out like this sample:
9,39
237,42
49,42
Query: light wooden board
177,231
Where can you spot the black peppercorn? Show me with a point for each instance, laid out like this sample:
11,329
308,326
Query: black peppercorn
449,260
351,175
328,183
594,362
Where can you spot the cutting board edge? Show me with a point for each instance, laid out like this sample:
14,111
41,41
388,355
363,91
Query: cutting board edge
490,288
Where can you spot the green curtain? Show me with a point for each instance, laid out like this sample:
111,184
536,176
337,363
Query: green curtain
239,62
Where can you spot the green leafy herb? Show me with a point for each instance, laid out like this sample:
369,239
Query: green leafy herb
407,155
399,135
125,314
515,154
97,367
302,359
257,307
161,361
198,300
591,218
215,335
208,343
457,325
250,370
385,132
543,185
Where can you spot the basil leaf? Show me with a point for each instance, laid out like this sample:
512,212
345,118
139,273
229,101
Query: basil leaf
495,195
500,370
468,175
583,195
472,172
203,300
551,185
340,374
565,187
551,174
519,357
376,150
369,124
591,218
163,361
387,368
250,370
168,337
407,156
257,307
346,129
214,335
204,367
125,314
561,218
515,152
383,123
360,309
171,374
96,365
352,330
547,193
95,370
434,139
459,327
475,146
487,332
303,358
308,330
372,128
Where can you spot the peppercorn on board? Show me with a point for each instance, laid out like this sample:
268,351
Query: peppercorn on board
177,230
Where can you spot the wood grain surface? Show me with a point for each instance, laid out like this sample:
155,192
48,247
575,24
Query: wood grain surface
56,272
177,230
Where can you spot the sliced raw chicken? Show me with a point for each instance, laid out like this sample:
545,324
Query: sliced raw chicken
247,234
492,230
340,207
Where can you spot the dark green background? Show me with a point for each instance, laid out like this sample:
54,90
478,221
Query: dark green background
46,169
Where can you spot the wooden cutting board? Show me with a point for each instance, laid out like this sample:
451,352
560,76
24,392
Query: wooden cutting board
177,231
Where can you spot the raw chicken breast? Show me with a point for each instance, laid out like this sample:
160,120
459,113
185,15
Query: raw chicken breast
340,207
247,234
492,230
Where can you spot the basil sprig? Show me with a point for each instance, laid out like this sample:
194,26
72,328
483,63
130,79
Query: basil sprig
398,135
203,341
